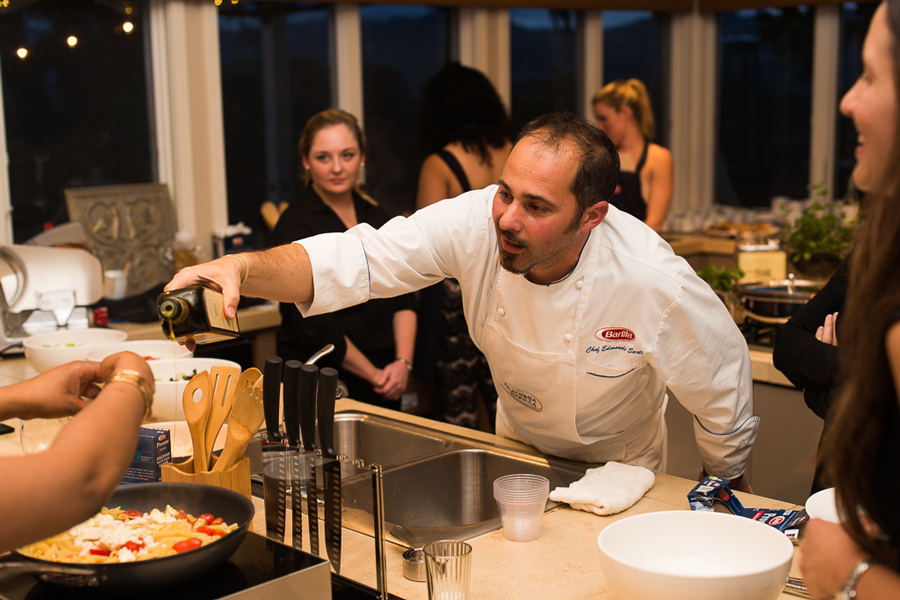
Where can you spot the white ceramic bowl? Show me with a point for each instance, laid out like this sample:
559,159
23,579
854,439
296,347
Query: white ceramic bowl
149,349
822,505
47,350
181,437
689,555
167,401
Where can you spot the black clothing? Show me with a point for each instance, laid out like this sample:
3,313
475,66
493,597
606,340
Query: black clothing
460,369
628,193
809,363
369,326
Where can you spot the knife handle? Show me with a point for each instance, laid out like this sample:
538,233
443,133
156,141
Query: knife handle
325,395
271,393
309,379
291,379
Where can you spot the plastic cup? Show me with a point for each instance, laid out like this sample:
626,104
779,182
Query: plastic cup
521,499
447,568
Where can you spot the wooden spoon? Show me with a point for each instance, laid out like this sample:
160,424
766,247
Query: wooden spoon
221,378
247,417
196,413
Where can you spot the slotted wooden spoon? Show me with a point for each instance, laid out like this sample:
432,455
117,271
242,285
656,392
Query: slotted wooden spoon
196,413
222,382
247,417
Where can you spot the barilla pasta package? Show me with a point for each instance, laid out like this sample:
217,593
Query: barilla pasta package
715,489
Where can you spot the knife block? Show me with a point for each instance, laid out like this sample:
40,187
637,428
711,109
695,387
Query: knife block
236,478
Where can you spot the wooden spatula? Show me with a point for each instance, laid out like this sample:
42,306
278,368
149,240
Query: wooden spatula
196,413
221,378
246,418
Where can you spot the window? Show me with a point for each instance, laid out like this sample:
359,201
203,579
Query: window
855,20
764,100
634,47
543,62
275,76
76,103
403,46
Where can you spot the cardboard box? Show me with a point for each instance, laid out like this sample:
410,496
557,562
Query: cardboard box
154,450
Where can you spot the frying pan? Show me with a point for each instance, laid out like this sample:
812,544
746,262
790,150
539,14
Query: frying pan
122,578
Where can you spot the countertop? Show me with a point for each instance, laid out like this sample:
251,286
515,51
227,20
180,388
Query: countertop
562,563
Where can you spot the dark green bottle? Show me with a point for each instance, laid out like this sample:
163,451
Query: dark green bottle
195,312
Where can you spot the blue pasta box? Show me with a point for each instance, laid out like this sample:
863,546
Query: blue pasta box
154,450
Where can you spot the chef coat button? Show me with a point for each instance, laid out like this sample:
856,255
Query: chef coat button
568,337
579,284
501,312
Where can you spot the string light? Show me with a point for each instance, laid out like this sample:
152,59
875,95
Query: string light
22,52
127,27
71,41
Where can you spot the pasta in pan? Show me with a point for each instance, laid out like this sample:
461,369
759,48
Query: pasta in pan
117,536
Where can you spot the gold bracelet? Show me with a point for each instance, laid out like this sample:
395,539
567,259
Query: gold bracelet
405,362
245,266
137,380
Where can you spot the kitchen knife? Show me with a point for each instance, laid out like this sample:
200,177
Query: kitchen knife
306,398
291,378
274,472
308,385
331,466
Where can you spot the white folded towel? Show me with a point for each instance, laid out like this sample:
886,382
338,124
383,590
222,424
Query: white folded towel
606,490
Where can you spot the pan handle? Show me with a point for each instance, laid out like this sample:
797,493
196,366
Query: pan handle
11,570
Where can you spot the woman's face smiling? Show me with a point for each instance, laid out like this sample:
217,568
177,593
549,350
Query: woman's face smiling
333,160
872,105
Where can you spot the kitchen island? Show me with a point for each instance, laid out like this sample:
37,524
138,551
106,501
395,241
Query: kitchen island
562,563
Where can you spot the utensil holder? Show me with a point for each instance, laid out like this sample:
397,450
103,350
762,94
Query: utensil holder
236,478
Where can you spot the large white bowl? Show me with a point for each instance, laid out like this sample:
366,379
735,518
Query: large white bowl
149,349
45,351
688,555
167,401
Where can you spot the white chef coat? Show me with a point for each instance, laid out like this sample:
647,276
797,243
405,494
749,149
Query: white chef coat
581,365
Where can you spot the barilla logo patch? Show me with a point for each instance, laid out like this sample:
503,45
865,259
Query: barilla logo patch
524,398
615,334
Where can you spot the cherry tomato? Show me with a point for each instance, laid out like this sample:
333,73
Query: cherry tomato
134,546
206,530
181,515
217,521
206,517
185,545
132,514
99,552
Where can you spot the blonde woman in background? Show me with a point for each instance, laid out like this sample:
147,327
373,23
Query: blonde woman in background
622,110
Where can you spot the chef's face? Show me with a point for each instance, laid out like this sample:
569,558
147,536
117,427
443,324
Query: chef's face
540,231
611,121
333,160
872,104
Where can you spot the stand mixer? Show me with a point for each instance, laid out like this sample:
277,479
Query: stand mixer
43,289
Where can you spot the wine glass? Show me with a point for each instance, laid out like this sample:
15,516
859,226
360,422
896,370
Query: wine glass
36,435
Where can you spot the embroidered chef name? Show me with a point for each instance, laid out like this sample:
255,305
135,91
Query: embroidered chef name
524,398
607,348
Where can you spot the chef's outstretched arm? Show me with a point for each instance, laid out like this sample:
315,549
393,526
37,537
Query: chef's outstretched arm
282,273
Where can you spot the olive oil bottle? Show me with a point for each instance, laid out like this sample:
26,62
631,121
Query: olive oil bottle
195,312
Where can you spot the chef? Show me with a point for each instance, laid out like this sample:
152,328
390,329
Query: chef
585,314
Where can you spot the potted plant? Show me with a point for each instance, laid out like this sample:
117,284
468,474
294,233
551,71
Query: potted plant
819,239
722,281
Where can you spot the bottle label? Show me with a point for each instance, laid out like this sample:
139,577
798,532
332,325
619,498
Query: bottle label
215,310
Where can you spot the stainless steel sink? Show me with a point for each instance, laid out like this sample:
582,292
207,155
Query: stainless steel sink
437,485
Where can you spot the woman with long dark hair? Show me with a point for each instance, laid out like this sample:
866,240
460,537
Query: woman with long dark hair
860,557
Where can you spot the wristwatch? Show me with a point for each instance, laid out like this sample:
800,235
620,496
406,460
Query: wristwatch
848,590
405,362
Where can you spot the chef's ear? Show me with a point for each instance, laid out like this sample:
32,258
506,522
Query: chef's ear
594,215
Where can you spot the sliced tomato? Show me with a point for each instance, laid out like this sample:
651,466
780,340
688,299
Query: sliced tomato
206,517
188,544
217,521
99,552
133,514
209,531
134,546
181,515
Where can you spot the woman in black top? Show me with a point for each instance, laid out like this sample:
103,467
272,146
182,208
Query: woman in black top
374,342
468,135
860,557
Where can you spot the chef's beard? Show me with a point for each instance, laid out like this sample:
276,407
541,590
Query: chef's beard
522,262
